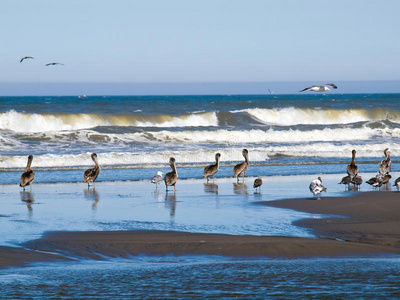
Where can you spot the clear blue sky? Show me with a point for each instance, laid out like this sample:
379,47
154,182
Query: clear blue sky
199,41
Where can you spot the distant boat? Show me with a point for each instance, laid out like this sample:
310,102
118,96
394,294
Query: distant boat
82,97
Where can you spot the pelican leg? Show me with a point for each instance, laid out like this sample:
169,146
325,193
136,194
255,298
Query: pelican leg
213,178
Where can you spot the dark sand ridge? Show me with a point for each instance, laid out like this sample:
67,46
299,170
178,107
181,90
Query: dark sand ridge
372,227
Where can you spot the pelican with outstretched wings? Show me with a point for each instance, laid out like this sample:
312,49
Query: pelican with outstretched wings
25,57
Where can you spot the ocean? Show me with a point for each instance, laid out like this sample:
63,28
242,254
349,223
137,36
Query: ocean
291,139
286,133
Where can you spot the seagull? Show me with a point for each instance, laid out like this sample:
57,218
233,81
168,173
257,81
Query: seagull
320,88
157,178
316,187
53,64
26,57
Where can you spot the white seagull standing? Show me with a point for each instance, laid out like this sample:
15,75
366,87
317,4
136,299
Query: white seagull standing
157,178
320,88
316,187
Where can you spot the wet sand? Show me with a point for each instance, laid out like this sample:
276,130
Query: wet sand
368,223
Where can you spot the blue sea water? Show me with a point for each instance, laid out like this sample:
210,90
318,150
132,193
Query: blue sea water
133,132
304,134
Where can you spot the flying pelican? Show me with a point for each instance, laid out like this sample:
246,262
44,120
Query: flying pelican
25,57
90,175
28,176
53,64
157,178
257,182
171,177
386,164
316,187
352,168
212,169
240,169
320,88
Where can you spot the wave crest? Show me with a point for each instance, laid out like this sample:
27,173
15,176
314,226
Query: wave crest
296,116
24,122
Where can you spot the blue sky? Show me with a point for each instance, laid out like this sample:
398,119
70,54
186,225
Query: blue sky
199,41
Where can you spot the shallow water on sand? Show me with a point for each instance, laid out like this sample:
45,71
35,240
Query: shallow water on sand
211,277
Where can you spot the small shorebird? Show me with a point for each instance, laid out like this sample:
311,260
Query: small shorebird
375,181
171,177
240,169
157,178
90,175
316,187
25,57
397,183
357,181
54,63
28,176
352,168
320,88
257,182
386,164
212,169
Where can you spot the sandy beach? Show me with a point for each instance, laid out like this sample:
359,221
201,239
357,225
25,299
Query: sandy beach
364,224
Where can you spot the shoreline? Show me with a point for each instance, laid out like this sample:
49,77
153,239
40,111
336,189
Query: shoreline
365,224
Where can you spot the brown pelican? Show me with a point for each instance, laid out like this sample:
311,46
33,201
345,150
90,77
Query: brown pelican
316,187
352,168
157,178
212,169
257,182
28,176
386,164
319,88
397,183
171,177
26,57
240,169
53,64
90,175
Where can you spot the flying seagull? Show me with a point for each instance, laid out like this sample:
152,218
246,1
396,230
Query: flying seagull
26,57
320,88
53,64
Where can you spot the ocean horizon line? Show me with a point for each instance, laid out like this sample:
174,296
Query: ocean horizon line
190,88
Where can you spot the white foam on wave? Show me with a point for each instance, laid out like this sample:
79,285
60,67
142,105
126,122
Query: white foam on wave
295,116
24,122
229,154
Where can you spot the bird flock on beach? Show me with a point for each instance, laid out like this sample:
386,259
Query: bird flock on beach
170,179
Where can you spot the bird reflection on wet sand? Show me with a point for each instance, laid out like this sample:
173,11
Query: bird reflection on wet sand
240,188
92,195
170,203
27,197
211,188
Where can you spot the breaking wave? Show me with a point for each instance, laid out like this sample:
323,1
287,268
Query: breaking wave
296,116
24,122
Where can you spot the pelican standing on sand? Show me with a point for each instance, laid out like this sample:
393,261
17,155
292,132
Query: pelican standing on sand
240,169
386,164
316,187
171,177
212,169
352,168
157,178
320,88
90,175
28,176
